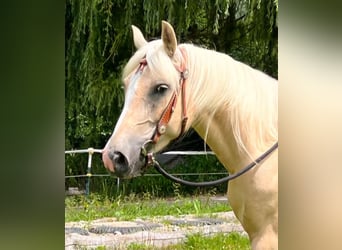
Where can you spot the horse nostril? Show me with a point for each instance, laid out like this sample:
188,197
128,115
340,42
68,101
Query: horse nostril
120,163
119,158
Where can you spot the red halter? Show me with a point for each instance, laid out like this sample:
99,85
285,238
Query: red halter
167,113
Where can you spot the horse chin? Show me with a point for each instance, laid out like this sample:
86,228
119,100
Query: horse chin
126,176
136,170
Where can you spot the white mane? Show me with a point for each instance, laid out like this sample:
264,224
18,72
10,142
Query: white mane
249,96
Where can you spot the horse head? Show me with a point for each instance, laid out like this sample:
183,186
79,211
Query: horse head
153,80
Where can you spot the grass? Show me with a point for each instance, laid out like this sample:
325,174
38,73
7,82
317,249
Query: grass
220,241
94,206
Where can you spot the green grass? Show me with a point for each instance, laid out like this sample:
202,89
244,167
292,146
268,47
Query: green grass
220,241
127,208
233,241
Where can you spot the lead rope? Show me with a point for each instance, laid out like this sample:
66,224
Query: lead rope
151,161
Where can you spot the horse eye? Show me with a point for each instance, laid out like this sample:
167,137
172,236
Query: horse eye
161,89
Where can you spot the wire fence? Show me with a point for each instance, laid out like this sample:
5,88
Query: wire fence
91,151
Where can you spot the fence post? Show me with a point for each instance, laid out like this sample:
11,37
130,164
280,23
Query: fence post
117,185
90,156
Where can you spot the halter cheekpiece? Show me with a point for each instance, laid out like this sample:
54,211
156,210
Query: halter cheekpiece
170,108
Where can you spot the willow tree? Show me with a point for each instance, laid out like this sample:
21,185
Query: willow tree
99,43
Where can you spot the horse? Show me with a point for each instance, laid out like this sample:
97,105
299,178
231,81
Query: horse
232,106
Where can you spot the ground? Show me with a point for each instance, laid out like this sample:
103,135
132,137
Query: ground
157,231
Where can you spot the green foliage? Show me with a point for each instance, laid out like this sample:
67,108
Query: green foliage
130,207
98,44
220,241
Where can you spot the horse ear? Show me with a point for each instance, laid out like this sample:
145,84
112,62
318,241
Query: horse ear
138,38
169,38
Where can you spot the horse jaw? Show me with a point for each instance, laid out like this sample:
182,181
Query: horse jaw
138,38
169,39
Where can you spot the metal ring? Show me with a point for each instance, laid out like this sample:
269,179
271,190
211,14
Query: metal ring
146,148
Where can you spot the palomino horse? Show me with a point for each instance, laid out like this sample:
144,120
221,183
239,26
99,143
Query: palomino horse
232,106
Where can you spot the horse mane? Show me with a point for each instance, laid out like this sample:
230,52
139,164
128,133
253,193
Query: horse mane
248,96
217,81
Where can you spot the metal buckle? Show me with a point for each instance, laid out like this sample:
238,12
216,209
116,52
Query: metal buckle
147,153
185,74
150,160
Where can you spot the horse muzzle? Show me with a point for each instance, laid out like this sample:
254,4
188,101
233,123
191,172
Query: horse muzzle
124,166
116,163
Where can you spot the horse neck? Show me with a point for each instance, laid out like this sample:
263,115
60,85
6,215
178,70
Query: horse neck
220,93
218,134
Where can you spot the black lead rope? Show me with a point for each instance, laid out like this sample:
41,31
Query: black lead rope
210,183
